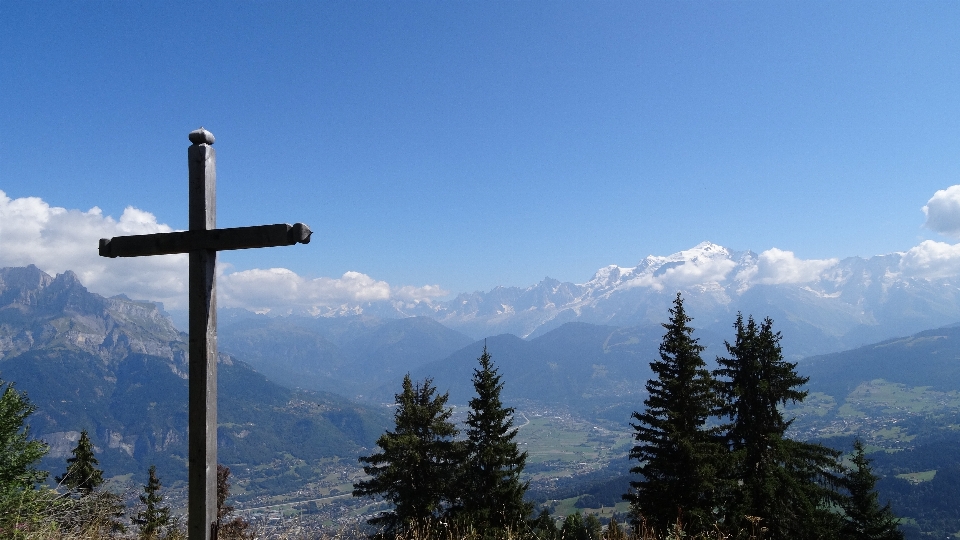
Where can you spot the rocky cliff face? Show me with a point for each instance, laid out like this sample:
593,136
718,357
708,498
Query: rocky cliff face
66,346
118,368
39,311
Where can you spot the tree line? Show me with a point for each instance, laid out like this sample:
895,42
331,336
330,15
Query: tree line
438,482
713,458
444,483
78,504
713,453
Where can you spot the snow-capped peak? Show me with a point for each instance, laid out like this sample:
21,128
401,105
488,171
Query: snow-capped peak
705,262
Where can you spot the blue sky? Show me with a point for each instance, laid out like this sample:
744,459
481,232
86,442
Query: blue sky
474,144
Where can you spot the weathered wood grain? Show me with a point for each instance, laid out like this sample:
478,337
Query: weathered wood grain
259,236
202,241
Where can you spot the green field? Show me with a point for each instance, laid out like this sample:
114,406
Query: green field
884,415
558,445
892,398
917,477
565,507
565,445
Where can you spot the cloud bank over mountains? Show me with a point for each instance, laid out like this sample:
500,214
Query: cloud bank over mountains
281,290
59,239
710,263
778,267
56,239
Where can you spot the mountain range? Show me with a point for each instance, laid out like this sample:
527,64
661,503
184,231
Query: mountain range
366,358
819,306
347,355
118,369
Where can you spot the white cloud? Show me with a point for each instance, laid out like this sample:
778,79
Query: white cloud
417,294
56,239
773,267
776,266
279,289
690,272
931,260
943,212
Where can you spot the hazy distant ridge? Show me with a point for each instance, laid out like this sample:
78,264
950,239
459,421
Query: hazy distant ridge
821,305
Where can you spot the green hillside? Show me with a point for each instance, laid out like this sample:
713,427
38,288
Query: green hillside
902,396
586,366
117,369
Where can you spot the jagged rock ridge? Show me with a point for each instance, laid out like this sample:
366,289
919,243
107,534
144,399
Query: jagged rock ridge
118,368
38,311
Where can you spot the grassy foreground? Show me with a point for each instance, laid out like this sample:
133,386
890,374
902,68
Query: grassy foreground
107,530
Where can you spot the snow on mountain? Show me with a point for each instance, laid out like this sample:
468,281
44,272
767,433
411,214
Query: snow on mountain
704,263
819,305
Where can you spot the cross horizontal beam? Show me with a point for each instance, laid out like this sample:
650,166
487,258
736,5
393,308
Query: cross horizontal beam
280,234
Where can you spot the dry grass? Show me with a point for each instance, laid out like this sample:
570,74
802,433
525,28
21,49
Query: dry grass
357,534
54,517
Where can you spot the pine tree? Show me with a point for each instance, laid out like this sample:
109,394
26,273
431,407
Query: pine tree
677,452
593,527
577,527
864,518
223,492
152,518
415,469
787,484
228,528
82,474
573,527
20,454
544,527
94,511
614,531
492,499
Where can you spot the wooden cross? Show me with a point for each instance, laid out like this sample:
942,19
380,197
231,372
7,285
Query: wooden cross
202,242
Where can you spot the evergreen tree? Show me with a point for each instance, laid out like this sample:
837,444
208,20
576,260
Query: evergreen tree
573,528
864,518
415,469
19,455
223,491
492,497
236,528
95,511
787,484
677,453
593,527
576,527
82,474
152,518
614,531
544,527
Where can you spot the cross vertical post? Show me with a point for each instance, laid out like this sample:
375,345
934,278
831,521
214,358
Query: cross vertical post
201,242
202,423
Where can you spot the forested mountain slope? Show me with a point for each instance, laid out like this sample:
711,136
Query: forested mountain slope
118,369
